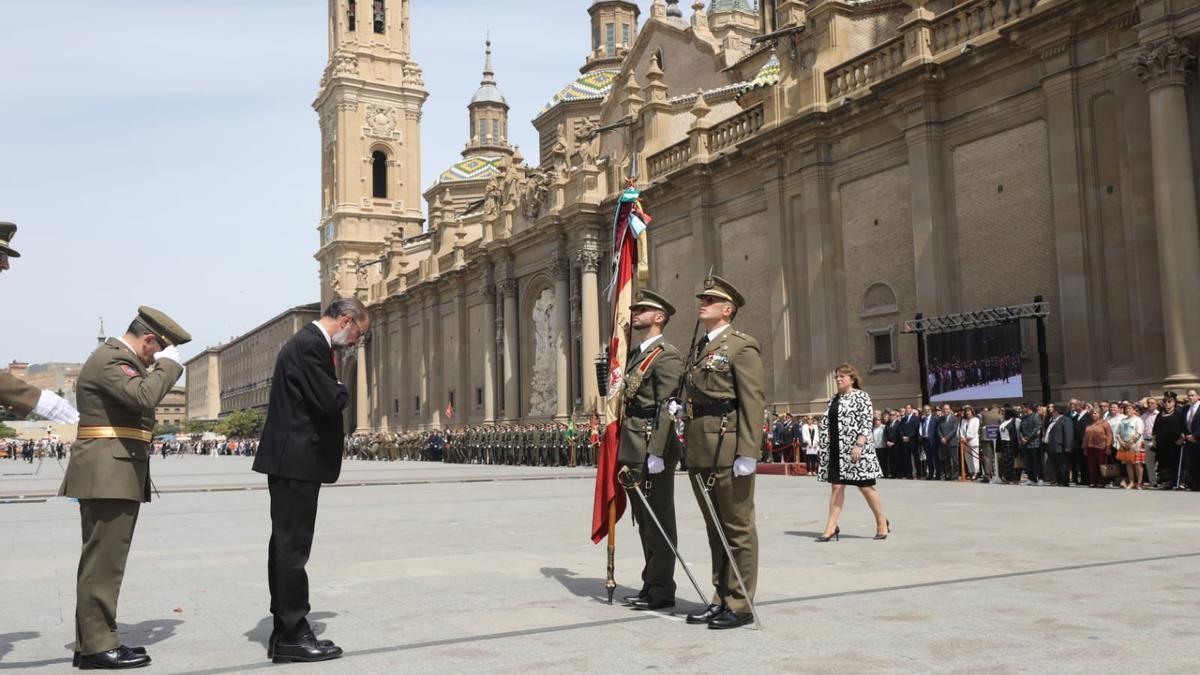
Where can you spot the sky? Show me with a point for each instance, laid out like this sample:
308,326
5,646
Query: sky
166,153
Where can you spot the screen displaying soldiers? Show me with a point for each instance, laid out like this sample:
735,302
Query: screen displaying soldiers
975,364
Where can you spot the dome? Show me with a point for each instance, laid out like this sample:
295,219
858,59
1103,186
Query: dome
471,168
488,93
767,76
587,87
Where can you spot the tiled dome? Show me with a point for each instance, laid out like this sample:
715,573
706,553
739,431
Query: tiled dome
588,87
471,168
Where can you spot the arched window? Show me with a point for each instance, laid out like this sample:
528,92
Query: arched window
379,174
378,15
352,16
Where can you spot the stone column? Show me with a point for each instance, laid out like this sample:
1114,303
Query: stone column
465,399
489,346
436,395
512,408
1163,67
589,263
562,327
935,248
362,412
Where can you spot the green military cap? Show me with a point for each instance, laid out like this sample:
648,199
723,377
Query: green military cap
648,298
716,287
163,326
7,232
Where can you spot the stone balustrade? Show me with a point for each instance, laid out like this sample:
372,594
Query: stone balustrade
866,69
735,129
969,20
670,159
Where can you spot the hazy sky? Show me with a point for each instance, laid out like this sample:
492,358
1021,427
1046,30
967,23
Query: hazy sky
165,152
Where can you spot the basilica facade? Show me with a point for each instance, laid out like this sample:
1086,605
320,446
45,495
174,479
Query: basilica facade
847,164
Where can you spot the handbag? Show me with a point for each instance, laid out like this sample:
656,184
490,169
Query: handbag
1018,462
1125,456
1110,470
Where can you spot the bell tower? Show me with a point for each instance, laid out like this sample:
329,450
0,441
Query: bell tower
369,110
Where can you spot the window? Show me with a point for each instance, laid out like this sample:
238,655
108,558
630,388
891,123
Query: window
379,14
482,130
478,397
396,406
417,404
610,46
351,16
625,34
450,395
881,344
595,36
495,131
379,175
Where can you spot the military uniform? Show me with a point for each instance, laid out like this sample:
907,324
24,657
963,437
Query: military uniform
725,401
652,376
109,472
18,394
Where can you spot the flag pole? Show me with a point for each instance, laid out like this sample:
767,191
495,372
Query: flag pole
610,583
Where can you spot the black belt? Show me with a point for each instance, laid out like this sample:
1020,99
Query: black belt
714,408
646,412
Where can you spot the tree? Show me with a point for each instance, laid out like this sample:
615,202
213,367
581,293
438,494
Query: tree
243,423
7,431
199,426
166,428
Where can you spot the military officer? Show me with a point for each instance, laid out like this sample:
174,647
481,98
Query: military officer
15,393
725,403
118,389
647,444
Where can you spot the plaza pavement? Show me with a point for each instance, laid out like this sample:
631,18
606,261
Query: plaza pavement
442,568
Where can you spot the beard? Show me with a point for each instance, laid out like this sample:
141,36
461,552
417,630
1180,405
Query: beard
341,339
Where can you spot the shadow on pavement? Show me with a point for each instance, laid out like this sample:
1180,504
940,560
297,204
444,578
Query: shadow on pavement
586,587
8,639
262,632
816,533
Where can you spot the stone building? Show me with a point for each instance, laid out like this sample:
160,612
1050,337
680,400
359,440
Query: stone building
247,363
56,377
203,385
846,163
172,410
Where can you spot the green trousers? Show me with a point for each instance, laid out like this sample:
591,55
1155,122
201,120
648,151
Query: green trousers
658,575
733,499
107,527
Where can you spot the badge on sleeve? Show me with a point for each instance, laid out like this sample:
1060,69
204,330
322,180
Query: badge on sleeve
129,370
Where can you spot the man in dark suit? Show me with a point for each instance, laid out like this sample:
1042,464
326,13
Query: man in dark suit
891,442
909,426
1191,441
301,447
929,438
1057,443
1081,417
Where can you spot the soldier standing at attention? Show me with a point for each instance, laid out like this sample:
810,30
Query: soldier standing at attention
648,447
725,403
15,393
118,389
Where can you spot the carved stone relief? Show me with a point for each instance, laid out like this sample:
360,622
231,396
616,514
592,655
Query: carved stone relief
543,381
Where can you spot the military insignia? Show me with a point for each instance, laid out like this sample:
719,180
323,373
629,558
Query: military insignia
129,370
632,383
717,361
709,284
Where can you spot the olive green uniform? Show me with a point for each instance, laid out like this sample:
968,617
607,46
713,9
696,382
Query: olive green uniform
725,409
17,394
111,478
646,429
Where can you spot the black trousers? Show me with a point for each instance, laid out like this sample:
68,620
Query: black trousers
1079,466
1060,463
293,516
1033,462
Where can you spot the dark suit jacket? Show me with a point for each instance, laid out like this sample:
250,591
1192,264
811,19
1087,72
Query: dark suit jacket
1060,436
1078,427
303,435
910,426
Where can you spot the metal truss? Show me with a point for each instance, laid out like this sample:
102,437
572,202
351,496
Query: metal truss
977,319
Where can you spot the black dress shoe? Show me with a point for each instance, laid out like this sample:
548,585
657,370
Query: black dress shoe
114,659
271,645
135,650
707,615
731,619
651,604
630,598
304,648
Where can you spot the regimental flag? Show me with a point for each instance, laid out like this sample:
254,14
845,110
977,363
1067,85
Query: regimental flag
449,410
571,428
629,217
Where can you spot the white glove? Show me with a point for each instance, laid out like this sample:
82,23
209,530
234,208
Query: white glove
171,352
56,409
673,408
654,464
744,466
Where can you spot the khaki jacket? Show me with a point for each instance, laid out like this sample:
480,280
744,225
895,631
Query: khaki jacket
115,390
729,369
641,436
17,394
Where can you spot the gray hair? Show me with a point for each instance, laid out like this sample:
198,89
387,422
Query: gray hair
351,307
139,329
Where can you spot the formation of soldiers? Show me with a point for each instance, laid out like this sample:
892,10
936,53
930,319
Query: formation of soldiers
531,444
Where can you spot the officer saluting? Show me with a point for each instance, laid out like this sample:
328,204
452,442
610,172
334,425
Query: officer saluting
652,375
117,390
725,403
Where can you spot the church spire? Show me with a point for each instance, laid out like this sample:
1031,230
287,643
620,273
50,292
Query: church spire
489,75
489,112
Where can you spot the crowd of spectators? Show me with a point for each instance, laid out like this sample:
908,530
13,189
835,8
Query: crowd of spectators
27,450
1149,443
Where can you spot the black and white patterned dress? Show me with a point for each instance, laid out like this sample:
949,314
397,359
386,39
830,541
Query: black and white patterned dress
853,413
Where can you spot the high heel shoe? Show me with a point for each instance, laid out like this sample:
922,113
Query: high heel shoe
837,531
885,534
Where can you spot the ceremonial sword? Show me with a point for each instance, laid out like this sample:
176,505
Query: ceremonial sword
629,480
712,511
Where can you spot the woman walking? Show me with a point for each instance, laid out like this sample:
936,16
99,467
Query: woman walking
847,452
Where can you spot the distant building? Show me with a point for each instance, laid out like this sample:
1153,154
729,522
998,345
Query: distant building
172,410
204,385
248,361
55,377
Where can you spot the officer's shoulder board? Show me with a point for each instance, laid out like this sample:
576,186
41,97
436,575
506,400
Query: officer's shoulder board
744,337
